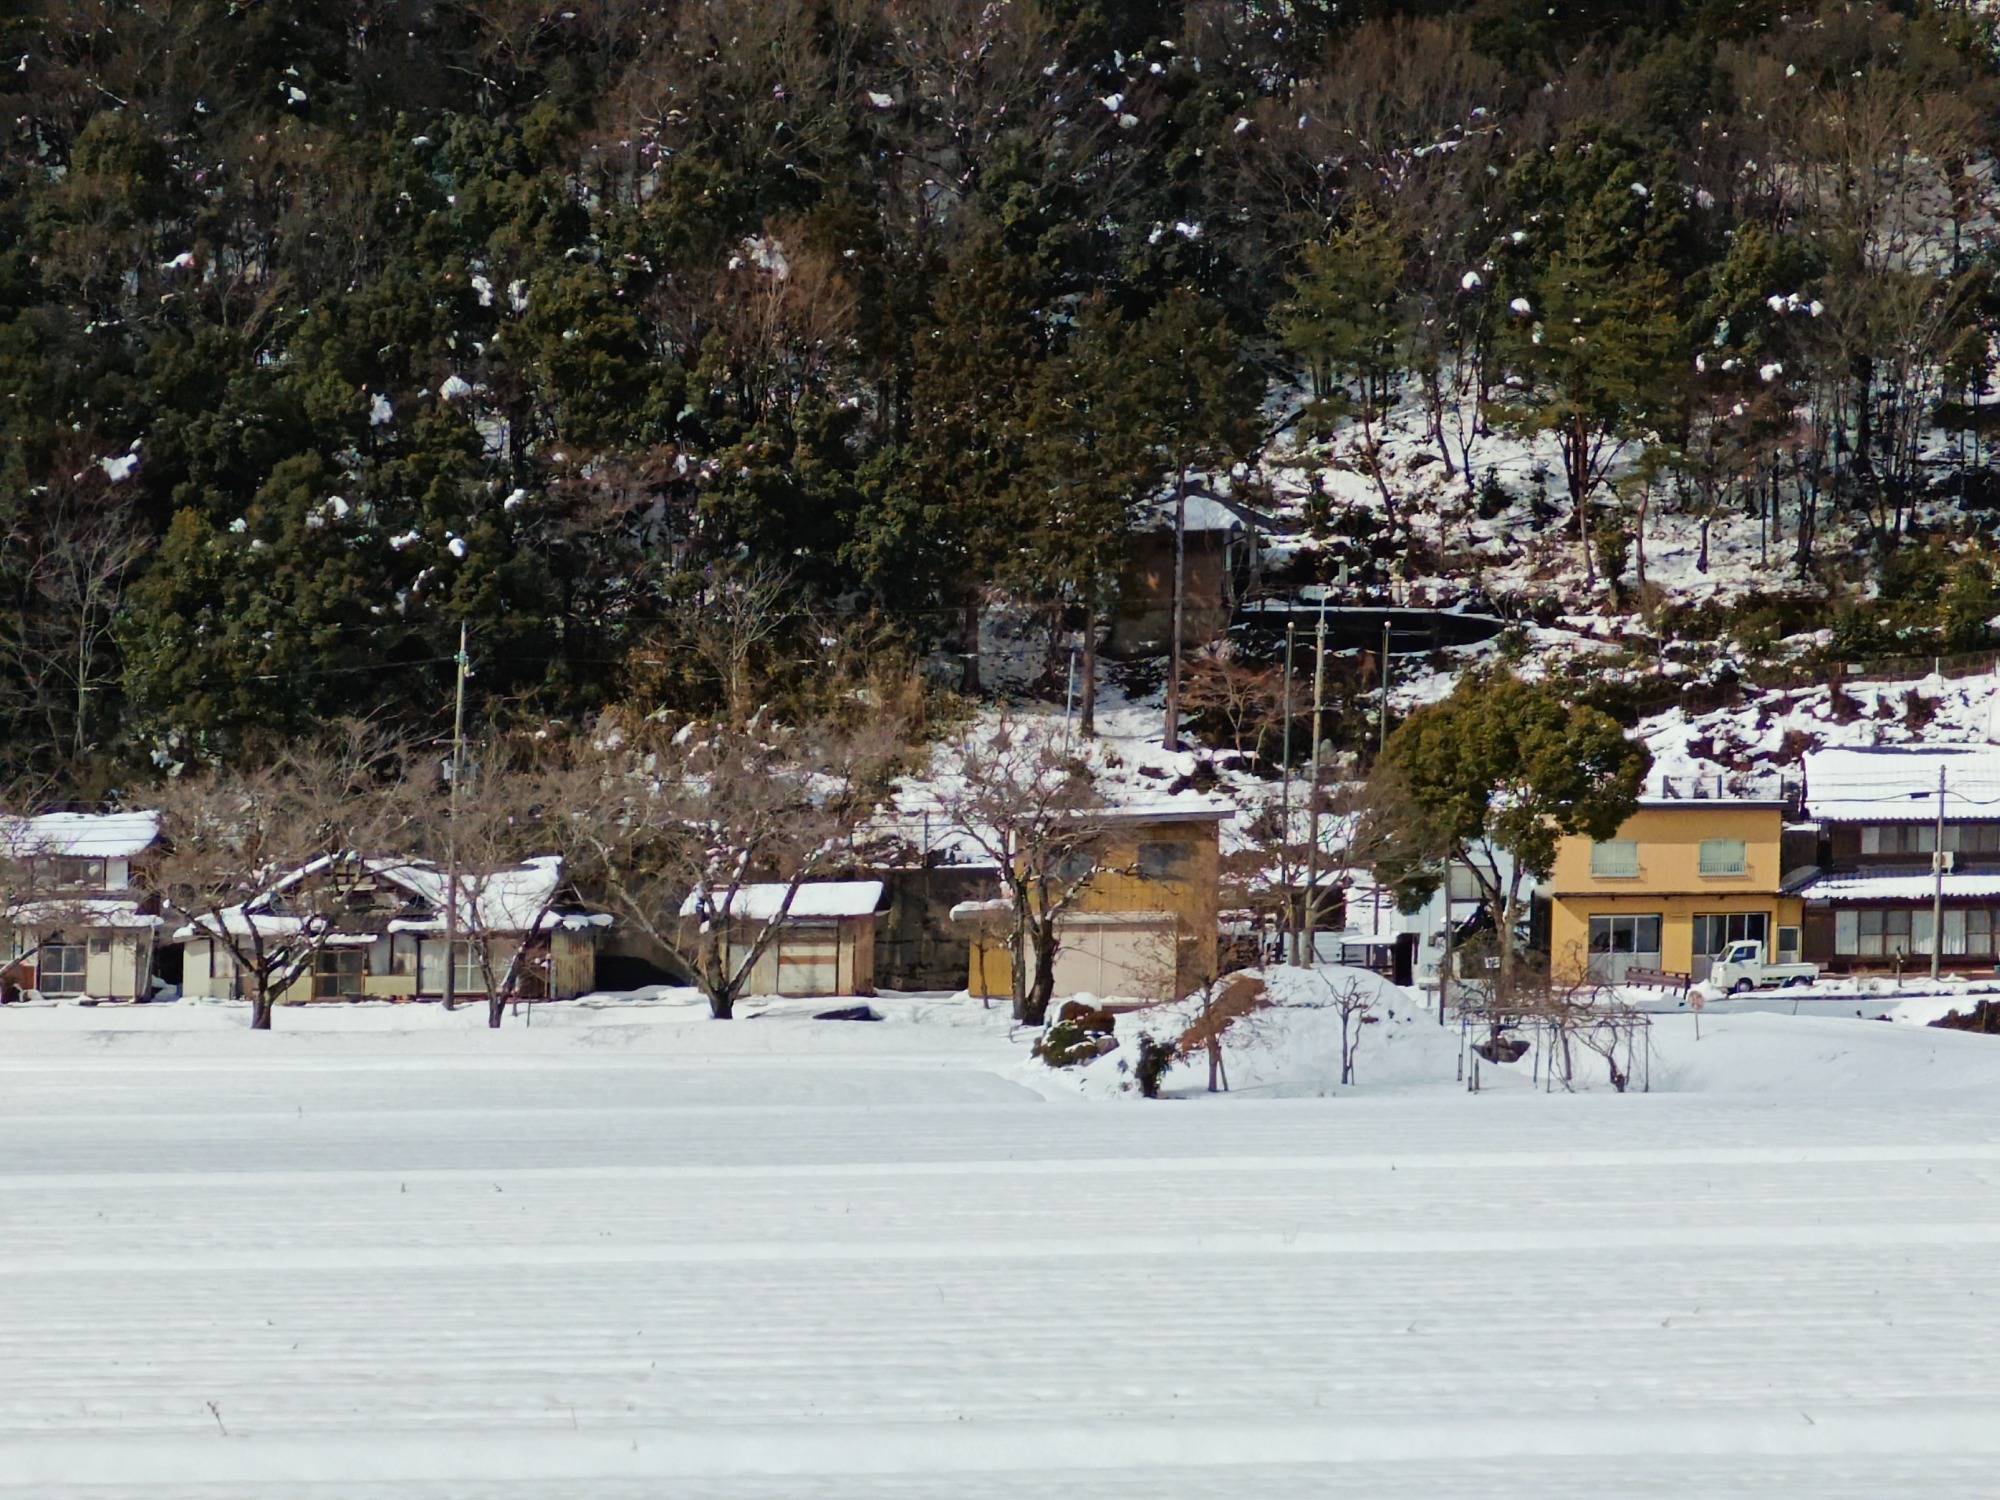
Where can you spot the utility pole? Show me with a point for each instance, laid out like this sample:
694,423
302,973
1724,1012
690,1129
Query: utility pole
1285,807
1382,745
1444,972
1937,884
451,833
1069,702
1312,793
1172,739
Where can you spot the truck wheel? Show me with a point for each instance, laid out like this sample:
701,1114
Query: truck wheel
1739,987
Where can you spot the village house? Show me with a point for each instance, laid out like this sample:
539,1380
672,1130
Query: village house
825,943
382,932
79,922
1885,821
1701,863
1147,923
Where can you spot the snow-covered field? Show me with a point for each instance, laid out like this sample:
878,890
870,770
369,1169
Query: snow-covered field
384,1253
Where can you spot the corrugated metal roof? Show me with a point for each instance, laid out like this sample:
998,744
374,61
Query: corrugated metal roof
1899,786
1899,887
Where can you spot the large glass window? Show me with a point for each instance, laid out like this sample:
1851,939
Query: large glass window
468,975
1615,859
1879,933
59,969
1723,857
337,974
76,873
1717,930
1902,838
1622,943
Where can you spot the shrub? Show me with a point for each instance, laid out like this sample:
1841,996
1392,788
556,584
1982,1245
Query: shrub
1155,1057
1079,1035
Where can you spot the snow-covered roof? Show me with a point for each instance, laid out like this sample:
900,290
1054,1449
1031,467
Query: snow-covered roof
80,835
1204,513
816,898
82,912
1185,807
506,900
1899,887
1892,785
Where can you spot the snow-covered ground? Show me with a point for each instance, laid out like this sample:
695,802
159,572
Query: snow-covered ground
382,1252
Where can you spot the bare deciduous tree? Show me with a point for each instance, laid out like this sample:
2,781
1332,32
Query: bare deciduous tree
675,835
505,874
229,839
1030,802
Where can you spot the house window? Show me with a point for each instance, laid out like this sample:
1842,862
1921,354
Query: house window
468,975
1788,945
60,969
1900,838
1878,933
1722,857
73,873
337,973
1972,838
1615,859
1073,865
1621,943
1164,861
1979,932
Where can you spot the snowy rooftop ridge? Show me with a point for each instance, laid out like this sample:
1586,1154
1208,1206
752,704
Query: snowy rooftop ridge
1887,784
507,900
80,835
1903,887
814,898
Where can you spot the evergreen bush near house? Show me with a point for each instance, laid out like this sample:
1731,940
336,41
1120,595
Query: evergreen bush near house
1155,1057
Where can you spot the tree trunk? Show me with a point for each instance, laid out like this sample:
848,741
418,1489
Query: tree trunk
969,680
260,1010
1639,532
1041,989
496,1007
1086,719
1576,474
722,1005
1509,909
1170,740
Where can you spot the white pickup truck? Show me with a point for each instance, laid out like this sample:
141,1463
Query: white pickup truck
1741,967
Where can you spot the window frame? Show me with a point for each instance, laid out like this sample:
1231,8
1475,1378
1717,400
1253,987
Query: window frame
1601,862
1164,860
1710,869
43,969
333,965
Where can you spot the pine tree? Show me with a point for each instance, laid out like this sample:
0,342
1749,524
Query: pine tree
1345,320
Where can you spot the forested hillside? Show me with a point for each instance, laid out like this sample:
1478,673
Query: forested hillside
673,348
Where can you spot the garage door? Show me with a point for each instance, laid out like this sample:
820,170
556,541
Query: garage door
1129,960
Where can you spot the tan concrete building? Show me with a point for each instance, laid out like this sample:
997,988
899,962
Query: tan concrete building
1696,867
1146,925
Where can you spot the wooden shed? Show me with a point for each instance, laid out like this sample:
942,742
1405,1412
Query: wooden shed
825,943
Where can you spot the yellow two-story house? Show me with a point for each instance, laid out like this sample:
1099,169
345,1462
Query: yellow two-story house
1696,867
1146,924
